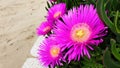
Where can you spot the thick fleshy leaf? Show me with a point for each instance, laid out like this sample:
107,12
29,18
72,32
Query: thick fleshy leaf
58,1
48,4
76,3
102,13
91,1
69,3
108,61
115,50
116,23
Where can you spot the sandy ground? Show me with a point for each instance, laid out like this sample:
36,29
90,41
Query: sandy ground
18,22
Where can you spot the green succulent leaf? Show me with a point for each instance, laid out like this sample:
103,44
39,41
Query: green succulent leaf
91,1
91,63
115,50
69,3
46,8
116,22
108,61
48,4
58,1
102,13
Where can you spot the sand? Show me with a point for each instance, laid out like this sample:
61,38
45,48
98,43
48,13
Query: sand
18,22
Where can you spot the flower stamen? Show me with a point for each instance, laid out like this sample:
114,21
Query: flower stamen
80,32
46,29
57,14
54,51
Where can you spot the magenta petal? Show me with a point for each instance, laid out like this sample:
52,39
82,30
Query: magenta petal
53,0
56,12
44,28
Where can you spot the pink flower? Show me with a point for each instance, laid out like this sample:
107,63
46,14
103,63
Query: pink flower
80,30
50,53
44,28
56,11
53,0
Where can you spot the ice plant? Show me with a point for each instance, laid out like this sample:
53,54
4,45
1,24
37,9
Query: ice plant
80,30
50,53
56,11
44,28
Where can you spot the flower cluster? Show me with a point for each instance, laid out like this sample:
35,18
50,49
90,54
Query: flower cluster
72,33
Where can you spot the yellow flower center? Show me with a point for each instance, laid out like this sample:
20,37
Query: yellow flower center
54,51
80,32
57,14
46,29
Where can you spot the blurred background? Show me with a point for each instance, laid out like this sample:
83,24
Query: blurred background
18,22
